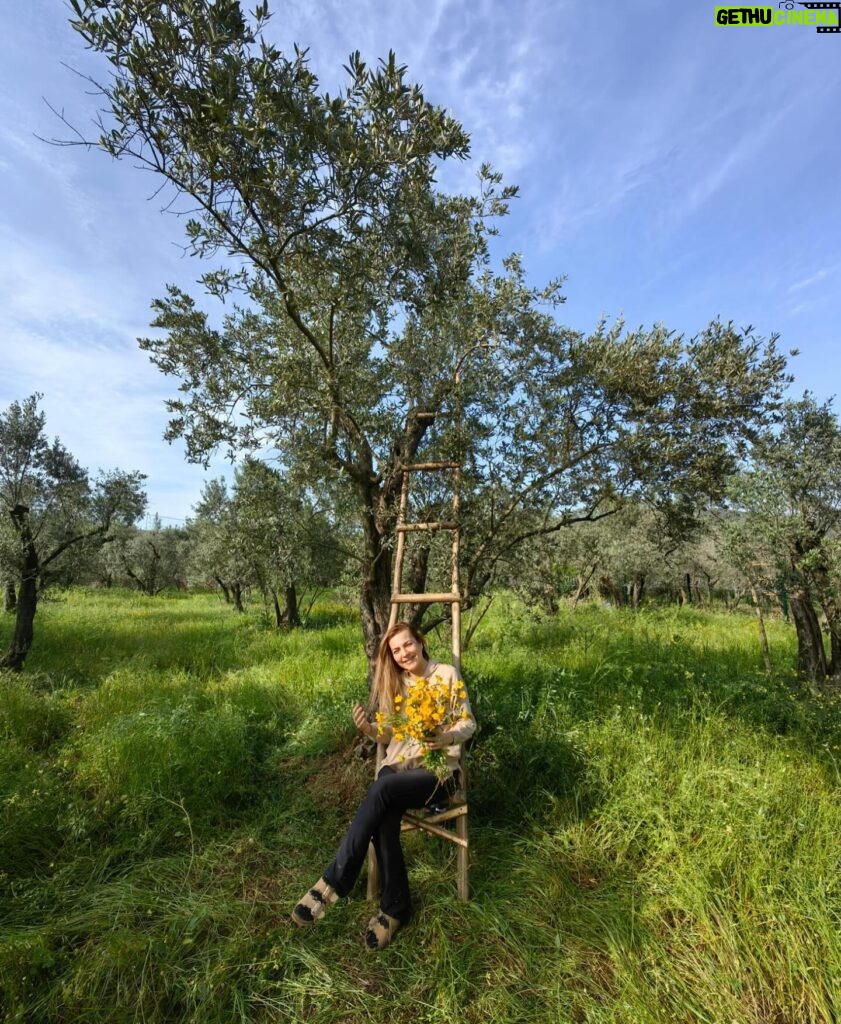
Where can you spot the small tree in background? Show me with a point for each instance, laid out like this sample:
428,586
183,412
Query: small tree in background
267,534
149,560
217,556
51,509
787,531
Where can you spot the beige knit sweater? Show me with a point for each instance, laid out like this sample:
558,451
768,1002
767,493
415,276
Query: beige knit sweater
408,753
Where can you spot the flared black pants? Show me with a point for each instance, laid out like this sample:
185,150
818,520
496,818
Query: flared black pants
378,821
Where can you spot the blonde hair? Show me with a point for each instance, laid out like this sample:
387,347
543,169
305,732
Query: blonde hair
387,674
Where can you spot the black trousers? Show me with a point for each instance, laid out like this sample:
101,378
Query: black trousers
378,821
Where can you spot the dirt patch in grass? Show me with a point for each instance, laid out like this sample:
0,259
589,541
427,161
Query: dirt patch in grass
340,781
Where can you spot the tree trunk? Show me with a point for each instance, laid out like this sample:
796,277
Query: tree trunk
24,616
823,586
375,604
27,596
414,582
835,656
226,593
811,657
763,636
236,593
609,591
636,590
583,585
151,587
832,612
375,592
686,590
10,597
473,624
782,597
291,614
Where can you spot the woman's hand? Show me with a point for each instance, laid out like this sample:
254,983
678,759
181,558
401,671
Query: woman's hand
440,742
360,720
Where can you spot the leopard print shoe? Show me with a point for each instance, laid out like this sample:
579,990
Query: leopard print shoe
381,930
314,904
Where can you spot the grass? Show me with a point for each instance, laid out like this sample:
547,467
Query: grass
654,824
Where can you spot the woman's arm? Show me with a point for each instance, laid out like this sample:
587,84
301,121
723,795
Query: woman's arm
360,720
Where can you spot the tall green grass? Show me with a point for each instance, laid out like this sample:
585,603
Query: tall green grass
654,824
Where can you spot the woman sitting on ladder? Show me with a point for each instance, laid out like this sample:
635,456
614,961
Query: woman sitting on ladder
402,783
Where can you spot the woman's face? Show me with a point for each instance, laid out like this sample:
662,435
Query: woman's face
407,652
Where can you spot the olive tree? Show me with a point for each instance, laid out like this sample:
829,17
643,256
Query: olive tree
268,533
218,555
786,532
366,324
51,509
150,560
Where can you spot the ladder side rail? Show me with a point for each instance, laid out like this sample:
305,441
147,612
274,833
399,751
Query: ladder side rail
453,598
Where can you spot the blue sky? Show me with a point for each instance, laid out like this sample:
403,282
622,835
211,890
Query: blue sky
672,169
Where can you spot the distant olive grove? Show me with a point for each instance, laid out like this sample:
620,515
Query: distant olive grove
771,543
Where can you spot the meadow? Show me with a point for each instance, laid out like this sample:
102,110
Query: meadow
654,824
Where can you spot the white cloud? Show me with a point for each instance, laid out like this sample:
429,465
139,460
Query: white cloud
71,335
815,278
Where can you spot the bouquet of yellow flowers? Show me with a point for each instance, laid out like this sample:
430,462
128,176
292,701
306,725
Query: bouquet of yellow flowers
427,705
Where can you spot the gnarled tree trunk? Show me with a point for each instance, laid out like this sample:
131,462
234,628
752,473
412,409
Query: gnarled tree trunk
226,593
811,657
636,589
27,596
291,615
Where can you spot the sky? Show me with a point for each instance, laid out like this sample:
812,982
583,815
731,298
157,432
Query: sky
673,171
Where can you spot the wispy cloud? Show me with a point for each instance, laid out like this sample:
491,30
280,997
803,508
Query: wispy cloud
482,61
815,278
72,338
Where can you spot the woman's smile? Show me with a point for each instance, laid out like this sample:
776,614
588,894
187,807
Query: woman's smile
408,652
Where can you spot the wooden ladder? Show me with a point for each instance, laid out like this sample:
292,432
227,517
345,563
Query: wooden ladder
456,809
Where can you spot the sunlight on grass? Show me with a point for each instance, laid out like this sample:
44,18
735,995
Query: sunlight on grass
654,824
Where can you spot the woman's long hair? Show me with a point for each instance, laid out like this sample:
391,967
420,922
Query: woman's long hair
387,674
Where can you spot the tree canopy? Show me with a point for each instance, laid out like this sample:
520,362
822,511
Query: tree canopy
366,323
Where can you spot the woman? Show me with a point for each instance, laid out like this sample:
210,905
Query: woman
402,782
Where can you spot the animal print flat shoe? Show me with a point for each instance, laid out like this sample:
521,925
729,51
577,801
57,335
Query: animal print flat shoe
314,904
381,930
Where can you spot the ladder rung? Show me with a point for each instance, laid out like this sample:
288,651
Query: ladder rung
415,527
436,830
425,598
431,465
